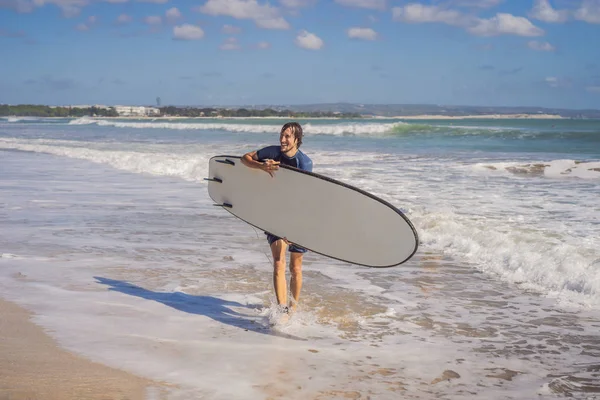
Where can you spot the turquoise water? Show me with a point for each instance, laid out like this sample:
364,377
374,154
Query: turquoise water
110,237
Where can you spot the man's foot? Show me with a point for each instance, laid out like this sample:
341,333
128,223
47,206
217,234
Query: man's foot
281,316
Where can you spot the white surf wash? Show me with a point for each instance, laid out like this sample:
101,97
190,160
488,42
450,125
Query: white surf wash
162,236
132,271
498,229
494,227
309,128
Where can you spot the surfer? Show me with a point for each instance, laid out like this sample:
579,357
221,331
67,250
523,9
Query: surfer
268,159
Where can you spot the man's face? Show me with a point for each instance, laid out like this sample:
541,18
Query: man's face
287,140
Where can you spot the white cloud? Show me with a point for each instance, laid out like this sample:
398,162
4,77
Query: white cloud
231,30
500,24
297,3
230,44
309,41
153,20
187,32
370,4
505,24
540,46
555,82
362,33
86,26
476,3
272,23
589,12
586,11
123,19
69,8
154,1
173,14
543,11
20,6
419,13
265,16
263,45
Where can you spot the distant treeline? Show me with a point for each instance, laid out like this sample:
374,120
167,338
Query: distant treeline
246,113
30,110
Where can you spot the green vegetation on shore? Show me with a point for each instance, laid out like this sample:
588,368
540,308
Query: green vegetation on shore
325,110
248,113
31,110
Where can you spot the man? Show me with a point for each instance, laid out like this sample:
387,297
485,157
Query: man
268,159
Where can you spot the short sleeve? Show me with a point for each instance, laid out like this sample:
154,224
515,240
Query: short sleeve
306,163
269,152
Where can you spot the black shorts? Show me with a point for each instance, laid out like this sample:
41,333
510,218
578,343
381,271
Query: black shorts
293,248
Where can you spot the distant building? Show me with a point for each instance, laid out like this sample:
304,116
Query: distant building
136,111
99,106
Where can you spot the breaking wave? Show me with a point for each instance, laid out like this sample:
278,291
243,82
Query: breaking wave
360,128
550,169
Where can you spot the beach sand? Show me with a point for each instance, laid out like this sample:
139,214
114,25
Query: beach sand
33,366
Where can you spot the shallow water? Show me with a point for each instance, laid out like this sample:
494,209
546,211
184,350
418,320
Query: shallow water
110,238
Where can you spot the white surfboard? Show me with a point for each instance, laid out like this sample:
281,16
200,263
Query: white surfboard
313,211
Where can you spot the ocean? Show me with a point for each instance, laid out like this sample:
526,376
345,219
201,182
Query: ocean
110,238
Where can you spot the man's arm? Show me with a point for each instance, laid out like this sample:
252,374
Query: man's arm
305,163
251,160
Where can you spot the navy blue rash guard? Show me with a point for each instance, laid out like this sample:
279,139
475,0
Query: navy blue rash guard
299,160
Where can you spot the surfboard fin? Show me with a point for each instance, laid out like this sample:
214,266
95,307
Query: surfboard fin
219,180
223,205
226,161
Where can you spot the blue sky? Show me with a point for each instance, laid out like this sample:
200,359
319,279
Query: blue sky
242,52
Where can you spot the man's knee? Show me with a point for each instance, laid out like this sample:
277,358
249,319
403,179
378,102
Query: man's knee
278,249
279,266
296,263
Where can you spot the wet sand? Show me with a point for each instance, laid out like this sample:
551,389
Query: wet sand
33,366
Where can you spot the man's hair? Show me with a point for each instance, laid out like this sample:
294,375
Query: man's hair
296,130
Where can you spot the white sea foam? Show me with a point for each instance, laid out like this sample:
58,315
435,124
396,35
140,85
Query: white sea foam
8,255
192,166
13,119
309,128
550,169
533,258
141,273
521,245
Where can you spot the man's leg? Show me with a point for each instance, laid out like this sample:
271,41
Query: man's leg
278,249
296,279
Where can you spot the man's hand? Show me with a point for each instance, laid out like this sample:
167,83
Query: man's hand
251,160
270,166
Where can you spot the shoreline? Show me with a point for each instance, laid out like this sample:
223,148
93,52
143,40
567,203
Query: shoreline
34,366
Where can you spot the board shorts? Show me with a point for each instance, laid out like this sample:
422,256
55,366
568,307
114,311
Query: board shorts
292,248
